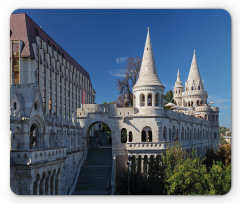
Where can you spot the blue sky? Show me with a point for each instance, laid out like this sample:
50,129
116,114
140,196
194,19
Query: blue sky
101,40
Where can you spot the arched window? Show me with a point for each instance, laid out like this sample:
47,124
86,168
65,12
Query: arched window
157,99
142,100
149,99
201,102
147,134
34,136
123,135
198,87
197,103
192,87
164,134
192,103
14,106
216,118
130,136
188,103
215,135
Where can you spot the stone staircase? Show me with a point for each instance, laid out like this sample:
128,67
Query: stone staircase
95,174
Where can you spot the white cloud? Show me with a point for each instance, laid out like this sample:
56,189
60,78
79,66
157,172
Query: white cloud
117,73
121,60
222,103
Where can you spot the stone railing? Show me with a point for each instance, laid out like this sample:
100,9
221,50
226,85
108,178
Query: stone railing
194,93
202,108
147,145
213,108
34,156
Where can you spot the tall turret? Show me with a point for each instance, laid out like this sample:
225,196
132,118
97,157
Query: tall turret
194,94
194,81
177,90
148,90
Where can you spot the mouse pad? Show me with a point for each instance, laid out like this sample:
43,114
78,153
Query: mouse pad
120,102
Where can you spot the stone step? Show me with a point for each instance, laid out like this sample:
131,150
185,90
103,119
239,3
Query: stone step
95,175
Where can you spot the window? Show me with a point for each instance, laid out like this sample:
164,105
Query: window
157,100
142,100
123,135
14,106
149,101
146,134
130,136
198,87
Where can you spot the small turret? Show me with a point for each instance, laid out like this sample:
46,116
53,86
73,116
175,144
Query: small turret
177,90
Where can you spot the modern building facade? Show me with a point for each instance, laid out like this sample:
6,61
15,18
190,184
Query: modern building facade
51,122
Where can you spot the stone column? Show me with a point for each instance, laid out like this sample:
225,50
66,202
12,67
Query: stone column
146,98
53,186
153,100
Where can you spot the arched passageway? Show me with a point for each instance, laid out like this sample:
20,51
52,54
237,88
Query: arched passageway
99,134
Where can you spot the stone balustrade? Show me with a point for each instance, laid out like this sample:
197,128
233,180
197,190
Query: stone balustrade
202,108
34,156
194,93
147,145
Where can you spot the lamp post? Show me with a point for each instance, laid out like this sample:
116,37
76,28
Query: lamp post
129,164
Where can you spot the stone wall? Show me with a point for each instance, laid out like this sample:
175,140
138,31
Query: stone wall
70,171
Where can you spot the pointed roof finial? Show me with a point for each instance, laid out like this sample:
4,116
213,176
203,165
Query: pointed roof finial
148,28
194,51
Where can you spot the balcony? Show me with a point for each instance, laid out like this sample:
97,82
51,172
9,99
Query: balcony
194,93
133,146
30,157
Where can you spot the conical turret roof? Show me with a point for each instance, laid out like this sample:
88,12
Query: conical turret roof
178,82
148,74
194,74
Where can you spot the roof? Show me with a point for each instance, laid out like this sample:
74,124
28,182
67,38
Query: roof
194,74
22,27
148,72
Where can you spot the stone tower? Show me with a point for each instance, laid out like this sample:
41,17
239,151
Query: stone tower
194,94
177,90
148,90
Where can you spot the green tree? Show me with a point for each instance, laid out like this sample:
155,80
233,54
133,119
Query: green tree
169,96
219,179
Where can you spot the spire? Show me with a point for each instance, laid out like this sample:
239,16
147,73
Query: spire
178,82
148,73
194,74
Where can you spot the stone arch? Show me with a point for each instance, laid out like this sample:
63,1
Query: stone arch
47,183
42,184
52,182
89,123
147,134
36,185
37,122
